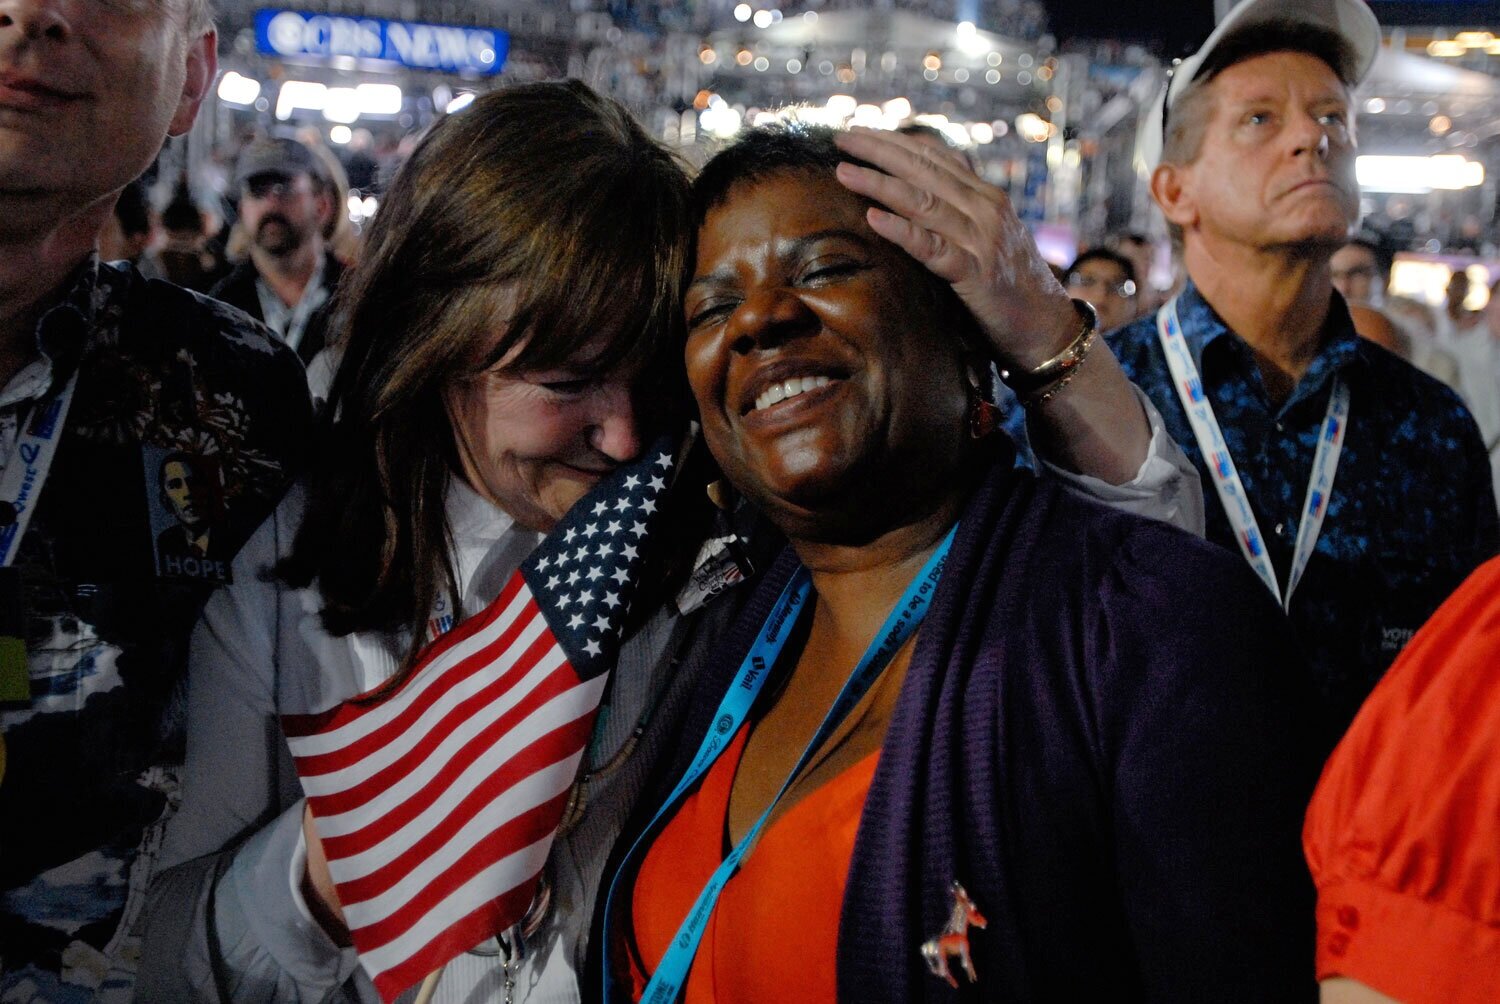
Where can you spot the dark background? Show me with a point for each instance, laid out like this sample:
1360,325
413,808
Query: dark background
1168,28
1173,28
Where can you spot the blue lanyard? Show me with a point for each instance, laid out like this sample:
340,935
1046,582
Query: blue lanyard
666,983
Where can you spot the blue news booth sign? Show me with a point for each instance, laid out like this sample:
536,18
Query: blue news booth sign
442,47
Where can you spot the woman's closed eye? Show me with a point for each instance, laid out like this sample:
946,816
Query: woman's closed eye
824,271
709,312
569,387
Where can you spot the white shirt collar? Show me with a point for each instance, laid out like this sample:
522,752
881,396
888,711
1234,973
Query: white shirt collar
487,544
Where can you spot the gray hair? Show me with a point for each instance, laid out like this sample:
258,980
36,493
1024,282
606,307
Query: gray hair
199,17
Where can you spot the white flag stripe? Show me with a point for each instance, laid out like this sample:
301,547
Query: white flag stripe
566,708
534,790
421,773
547,783
490,884
394,707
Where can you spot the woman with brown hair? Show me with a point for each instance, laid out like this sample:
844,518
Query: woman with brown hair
500,333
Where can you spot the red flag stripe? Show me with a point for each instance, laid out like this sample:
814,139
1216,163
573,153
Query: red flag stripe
380,766
448,679
301,726
346,845
341,810
519,833
455,939
554,748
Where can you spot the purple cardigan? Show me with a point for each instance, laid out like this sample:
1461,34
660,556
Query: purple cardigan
1104,735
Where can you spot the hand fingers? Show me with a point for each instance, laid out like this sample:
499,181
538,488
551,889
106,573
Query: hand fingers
940,256
918,161
916,203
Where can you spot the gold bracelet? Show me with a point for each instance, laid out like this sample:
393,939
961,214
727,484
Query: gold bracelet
1047,375
1042,396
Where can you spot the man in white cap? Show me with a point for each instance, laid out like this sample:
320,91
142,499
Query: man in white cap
1355,486
105,379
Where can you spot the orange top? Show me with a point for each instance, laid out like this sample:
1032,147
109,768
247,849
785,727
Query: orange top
774,933
1403,835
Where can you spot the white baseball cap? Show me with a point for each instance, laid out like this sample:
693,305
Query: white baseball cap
1350,20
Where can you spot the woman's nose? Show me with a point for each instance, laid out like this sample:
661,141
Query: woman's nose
615,432
768,318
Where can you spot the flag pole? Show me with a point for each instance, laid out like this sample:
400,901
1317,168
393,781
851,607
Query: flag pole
430,985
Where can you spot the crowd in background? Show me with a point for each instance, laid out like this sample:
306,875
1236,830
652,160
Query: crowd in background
190,234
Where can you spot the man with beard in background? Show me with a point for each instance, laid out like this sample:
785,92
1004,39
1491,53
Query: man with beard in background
285,203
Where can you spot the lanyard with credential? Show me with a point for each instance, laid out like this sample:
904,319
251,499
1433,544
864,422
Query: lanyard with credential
20,487
29,464
1226,477
666,983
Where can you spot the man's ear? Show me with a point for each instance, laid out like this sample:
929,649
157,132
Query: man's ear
327,207
202,68
1172,191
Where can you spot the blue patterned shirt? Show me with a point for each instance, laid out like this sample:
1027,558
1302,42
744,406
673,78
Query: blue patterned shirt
1412,511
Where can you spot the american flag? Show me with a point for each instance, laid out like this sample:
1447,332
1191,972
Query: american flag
437,805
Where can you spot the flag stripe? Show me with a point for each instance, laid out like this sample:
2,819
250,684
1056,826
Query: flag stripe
326,725
415,902
527,859
356,785
363,850
538,783
427,686
462,684
463,934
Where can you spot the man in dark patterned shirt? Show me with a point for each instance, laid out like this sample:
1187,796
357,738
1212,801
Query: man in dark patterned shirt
1346,477
131,412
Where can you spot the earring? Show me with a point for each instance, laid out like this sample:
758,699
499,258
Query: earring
984,414
720,494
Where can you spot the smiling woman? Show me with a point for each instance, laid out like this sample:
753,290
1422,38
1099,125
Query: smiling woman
954,696
888,391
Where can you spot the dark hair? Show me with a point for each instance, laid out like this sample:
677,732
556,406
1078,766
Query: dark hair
1101,254
759,153
131,210
176,457
1384,258
1128,237
181,213
536,220
923,129
797,147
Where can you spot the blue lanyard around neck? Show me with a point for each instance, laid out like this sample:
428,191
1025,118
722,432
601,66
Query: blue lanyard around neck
667,982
